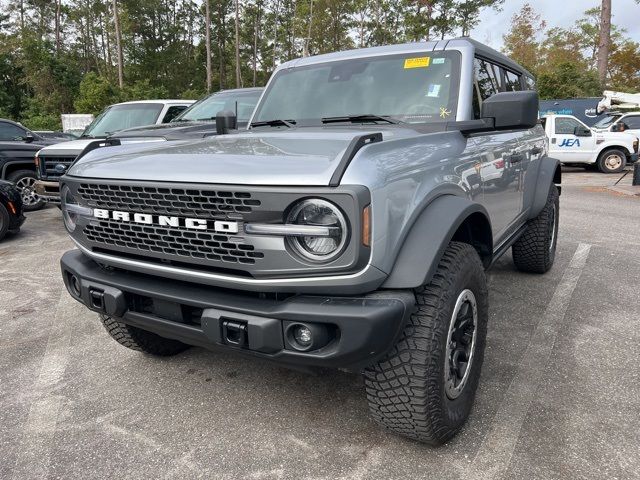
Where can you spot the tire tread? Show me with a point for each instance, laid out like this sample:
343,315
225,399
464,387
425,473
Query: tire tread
405,390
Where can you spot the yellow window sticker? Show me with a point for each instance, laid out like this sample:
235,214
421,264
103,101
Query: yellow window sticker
418,62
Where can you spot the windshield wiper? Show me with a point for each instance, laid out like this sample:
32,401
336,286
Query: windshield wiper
365,117
275,123
87,136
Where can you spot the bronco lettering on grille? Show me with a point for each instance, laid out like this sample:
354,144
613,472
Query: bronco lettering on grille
166,221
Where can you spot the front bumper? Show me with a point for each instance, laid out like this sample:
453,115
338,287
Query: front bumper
16,222
49,191
361,329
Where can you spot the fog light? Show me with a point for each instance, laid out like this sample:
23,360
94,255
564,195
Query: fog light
75,284
306,337
302,335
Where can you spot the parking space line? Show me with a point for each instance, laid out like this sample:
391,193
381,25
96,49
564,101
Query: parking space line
37,440
496,450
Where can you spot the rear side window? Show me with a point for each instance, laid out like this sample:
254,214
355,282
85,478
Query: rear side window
566,126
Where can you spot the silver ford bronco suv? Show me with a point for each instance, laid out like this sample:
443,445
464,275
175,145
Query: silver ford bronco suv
350,225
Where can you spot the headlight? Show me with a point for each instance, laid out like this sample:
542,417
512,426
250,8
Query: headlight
318,213
69,217
71,209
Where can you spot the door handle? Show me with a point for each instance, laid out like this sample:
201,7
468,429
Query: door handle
536,151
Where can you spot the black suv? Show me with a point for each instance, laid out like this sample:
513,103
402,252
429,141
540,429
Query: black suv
18,147
11,217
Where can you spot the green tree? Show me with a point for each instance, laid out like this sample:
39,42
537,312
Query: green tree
624,67
568,80
95,93
521,42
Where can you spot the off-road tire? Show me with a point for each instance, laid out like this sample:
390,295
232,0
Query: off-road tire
16,178
4,221
535,250
141,340
603,164
406,390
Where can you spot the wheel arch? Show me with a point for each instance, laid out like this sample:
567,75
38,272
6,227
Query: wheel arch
446,218
13,166
606,148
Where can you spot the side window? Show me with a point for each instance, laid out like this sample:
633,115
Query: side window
486,79
9,131
632,122
512,81
173,112
566,126
530,83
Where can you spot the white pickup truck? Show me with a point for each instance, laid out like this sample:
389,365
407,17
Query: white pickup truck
573,143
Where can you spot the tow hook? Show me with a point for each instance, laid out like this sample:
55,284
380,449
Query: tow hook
235,333
97,299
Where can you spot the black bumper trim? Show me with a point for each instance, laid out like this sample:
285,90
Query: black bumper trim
367,326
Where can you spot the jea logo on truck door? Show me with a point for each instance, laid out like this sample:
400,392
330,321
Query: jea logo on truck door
570,142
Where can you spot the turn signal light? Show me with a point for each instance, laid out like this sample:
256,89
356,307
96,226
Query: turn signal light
37,161
366,226
12,207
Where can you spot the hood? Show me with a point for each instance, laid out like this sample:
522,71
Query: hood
74,147
294,157
169,131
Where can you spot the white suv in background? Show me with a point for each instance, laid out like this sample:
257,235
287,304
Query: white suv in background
51,163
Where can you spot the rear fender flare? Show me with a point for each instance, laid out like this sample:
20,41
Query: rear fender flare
548,173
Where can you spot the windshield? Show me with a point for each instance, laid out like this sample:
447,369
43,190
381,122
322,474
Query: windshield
414,88
241,103
119,117
606,121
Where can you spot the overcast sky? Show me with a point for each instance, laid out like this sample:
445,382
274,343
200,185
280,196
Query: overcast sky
557,13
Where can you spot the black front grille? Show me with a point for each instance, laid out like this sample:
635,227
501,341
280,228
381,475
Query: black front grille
168,242
168,201
48,164
172,241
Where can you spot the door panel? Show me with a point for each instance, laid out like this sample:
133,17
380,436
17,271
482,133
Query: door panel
502,162
567,147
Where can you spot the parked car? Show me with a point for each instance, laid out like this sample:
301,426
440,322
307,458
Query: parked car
198,120
11,216
18,147
53,161
575,144
627,122
349,227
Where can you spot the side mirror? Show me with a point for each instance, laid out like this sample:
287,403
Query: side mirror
28,138
581,131
619,127
512,110
225,121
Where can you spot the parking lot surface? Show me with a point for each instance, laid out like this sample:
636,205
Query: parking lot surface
559,395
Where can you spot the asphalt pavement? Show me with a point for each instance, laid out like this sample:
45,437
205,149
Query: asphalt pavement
559,396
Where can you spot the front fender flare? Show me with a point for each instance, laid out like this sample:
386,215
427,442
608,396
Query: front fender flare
428,238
